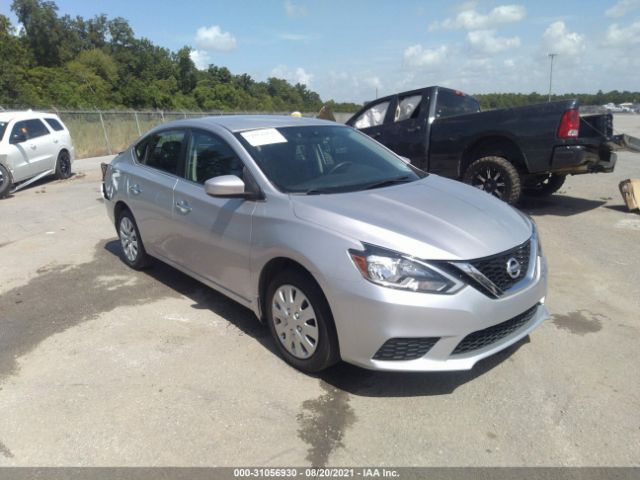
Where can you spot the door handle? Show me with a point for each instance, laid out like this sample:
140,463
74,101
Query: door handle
134,189
32,146
414,129
183,207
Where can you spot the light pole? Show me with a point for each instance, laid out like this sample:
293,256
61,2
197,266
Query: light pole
551,56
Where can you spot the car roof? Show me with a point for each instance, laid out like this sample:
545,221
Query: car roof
239,123
20,115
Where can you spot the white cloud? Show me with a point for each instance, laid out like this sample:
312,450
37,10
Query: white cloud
622,8
297,75
557,39
623,36
294,10
200,58
296,37
471,19
486,41
213,38
417,56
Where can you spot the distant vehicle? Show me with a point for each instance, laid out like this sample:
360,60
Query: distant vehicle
504,152
32,146
613,108
342,248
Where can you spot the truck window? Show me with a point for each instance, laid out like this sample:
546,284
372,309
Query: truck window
373,116
452,103
408,107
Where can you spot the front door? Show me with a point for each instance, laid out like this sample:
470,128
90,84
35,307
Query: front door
213,234
34,155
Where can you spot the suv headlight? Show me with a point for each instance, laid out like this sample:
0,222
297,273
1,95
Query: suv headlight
396,270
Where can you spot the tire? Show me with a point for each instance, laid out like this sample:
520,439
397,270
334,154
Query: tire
496,176
63,165
5,181
546,185
308,342
133,250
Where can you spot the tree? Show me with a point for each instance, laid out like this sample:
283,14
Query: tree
42,29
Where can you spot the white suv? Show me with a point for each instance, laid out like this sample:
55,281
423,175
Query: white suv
33,145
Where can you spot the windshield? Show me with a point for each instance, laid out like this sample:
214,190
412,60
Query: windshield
324,159
3,127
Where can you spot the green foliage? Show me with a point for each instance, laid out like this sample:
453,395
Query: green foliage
505,100
100,63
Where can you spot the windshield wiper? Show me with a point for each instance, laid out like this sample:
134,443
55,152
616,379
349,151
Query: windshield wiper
387,182
320,191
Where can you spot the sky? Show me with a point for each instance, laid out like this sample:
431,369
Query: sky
353,50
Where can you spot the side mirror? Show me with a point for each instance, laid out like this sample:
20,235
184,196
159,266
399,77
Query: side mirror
18,137
225,186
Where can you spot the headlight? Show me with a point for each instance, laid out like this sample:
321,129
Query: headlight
395,270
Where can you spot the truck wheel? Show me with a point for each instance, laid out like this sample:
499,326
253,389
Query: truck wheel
495,175
546,185
5,181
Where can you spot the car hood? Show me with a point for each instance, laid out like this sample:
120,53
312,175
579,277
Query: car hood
433,218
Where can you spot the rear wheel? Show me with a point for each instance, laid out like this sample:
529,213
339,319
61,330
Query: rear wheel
545,185
496,176
5,181
300,322
63,165
134,253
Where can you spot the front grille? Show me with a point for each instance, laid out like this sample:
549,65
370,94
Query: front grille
405,348
482,338
495,267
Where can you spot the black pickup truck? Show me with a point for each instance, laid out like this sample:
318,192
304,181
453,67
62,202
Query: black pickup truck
505,152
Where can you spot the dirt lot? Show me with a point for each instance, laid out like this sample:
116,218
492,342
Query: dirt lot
100,365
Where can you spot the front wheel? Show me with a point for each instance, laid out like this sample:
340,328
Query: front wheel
300,322
63,165
496,176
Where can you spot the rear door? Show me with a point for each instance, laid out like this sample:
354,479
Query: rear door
212,235
407,131
150,185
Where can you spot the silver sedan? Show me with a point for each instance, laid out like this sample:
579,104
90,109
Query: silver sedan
342,248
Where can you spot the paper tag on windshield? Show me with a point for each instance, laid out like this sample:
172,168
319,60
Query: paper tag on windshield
265,136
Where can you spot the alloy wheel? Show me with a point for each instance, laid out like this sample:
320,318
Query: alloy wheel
129,239
491,181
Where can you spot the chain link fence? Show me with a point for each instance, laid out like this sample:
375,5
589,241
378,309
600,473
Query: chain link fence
105,132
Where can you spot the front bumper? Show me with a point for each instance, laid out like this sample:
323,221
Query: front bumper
367,316
576,159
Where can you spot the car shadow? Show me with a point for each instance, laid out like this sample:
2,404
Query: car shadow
204,298
558,205
343,376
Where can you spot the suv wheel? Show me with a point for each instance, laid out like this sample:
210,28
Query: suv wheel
63,165
5,181
301,322
134,253
545,185
495,175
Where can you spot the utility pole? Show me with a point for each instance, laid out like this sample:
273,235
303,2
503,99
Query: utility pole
551,56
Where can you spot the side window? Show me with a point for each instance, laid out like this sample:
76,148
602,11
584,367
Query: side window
455,103
373,116
19,128
162,150
408,108
36,128
209,156
55,124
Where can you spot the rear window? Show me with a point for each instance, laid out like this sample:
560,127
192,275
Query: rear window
55,124
3,127
452,103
